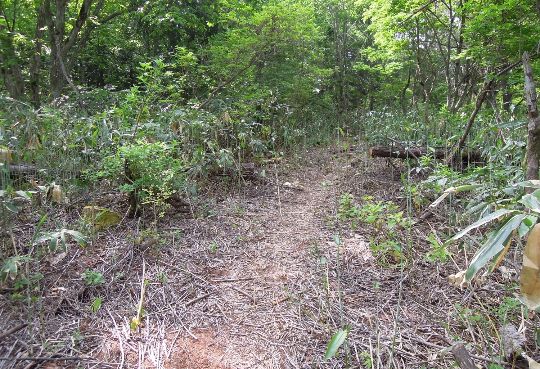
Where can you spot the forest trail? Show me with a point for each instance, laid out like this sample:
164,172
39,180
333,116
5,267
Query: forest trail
272,292
259,281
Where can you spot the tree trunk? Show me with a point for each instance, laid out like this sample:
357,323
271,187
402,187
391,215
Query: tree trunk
10,68
35,62
62,45
533,128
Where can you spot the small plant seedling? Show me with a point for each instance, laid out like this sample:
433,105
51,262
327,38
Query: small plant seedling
347,209
213,247
367,361
438,252
162,277
77,337
508,309
335,343
93,278
96,304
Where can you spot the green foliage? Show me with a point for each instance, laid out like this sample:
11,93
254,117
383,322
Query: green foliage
150,170
439,251
337,340
509,309
96,304
386,221
347,209
10,267
59,238
518,216
93,278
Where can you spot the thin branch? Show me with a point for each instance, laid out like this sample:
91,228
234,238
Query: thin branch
13,330
418,10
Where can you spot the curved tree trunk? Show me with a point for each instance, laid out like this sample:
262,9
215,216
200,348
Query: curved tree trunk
533,128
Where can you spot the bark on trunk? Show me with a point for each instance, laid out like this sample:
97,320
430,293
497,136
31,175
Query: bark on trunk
62,45
35,63
10,69
533,128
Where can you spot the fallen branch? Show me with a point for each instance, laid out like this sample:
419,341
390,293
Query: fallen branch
418,152
462,356
12,330
46,358
19,169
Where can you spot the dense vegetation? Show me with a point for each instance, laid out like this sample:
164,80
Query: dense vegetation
154,99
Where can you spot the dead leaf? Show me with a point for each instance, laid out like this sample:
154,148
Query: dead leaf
56,194
100,218
507,273
58,258
33,143
294,186
458,279
225,117
533,364
512,340
530,273
5,155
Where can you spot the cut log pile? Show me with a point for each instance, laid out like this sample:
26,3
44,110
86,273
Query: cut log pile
470,156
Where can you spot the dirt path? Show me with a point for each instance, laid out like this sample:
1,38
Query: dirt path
267,287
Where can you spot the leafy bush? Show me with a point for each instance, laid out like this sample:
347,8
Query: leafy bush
148,170
385,218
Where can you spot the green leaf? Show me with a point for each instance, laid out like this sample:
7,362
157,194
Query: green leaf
490,217
533,183
44,237
335,343
11,207
10,267
527,224
532,201
77,236
96,304
25,194
494,244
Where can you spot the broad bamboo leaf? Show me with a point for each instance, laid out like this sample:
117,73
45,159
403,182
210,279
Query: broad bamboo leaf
11,207
530,273
533,183
335,343
527,224
495,215
532,201
77,236
451,190
45,237
25,194
493,245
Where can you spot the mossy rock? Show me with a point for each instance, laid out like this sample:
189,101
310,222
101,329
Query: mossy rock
100,218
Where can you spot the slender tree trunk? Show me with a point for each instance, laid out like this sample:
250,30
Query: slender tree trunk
35,62
10,68
479,102
62,44
533,128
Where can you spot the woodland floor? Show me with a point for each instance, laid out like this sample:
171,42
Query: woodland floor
254,279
